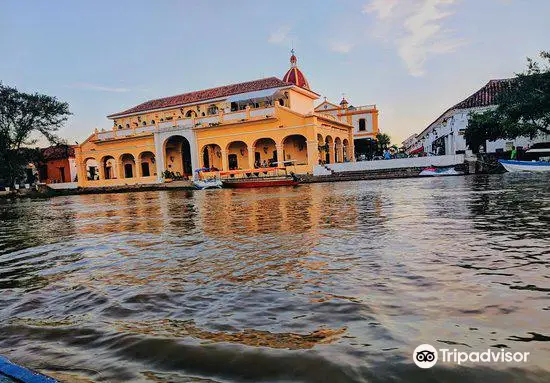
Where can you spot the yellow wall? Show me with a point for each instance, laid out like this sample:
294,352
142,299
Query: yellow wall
293,135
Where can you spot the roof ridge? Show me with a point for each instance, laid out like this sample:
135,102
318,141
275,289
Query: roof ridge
204,95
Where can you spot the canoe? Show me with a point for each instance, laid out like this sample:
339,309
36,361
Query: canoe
14,373
525,166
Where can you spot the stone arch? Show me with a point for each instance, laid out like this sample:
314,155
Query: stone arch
237,155
127,163
265,152
338,155
146,164
91,168
345,149
329,153
107,167
295,149
177,156
211,156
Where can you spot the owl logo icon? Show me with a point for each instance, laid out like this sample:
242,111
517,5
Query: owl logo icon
425,356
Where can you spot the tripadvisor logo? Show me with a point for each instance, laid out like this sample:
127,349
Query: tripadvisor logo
426,356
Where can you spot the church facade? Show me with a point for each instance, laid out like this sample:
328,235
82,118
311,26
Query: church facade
237,126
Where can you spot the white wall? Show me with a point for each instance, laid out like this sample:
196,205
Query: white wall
368,123
399,163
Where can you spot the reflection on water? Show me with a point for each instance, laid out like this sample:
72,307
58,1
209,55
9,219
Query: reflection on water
320,283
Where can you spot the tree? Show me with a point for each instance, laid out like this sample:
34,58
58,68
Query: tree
24,117
382,142
523,108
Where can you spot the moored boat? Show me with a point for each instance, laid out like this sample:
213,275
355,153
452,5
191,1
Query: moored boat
261,177
201,181
433,171
525,166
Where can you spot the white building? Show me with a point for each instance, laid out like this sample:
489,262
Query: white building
446,134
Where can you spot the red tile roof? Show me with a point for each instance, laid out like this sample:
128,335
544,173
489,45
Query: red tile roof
58,152
485,96
203,95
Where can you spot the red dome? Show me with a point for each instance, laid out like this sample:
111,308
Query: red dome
295,75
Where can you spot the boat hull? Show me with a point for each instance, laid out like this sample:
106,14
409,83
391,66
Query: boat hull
525,166
438,172
207,184
246,184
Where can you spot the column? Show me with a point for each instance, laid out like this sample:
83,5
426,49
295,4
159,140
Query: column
351,152
101,169
312,153
339,153
159,155
280,154
251,156
138,168
119,171
225,163
331,153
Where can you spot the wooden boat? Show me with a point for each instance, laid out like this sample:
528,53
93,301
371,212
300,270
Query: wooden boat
525,166
256,178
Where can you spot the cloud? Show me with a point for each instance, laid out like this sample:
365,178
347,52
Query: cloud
97,87
416,28
384,8
280,35
340,47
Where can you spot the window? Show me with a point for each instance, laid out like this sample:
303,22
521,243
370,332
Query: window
212,109
362,125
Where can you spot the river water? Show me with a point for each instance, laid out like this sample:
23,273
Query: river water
320,283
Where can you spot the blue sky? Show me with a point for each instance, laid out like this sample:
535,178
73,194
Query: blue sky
413,58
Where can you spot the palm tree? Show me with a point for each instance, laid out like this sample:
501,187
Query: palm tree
382,142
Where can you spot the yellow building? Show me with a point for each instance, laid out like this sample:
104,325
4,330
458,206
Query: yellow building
239,126
364,120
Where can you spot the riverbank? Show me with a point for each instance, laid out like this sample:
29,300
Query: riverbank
43,191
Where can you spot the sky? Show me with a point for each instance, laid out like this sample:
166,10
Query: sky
412,58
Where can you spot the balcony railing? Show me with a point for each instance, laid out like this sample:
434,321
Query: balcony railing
203,121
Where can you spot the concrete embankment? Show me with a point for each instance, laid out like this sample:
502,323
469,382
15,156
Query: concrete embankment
44,191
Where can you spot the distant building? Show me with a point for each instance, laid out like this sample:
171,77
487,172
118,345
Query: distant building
410,142
232,127
364,120
59,165
446,134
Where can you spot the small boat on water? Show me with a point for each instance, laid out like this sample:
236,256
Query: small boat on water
433,171
14,373
201,181
525,166
261,177
540,156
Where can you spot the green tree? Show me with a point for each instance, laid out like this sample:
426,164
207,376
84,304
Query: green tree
23,119
523,108
383,141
